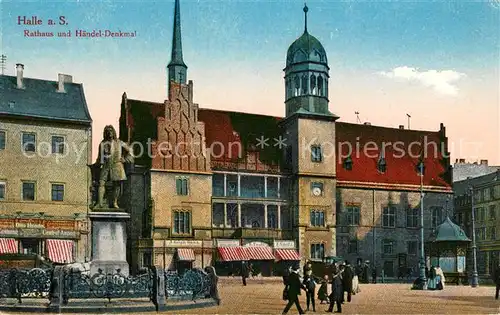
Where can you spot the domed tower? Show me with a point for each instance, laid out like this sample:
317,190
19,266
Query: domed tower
306,75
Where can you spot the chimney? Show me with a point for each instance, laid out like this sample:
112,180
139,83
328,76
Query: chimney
456,161
484,162
461,161
20,68
367,123
401,127
63,78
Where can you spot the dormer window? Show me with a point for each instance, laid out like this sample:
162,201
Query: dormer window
348,163
420,168
382,165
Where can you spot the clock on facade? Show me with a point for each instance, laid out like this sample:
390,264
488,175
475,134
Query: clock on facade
316,191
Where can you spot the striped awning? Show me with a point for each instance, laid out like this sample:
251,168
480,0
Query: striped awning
8,246
236,253
260,253
287,254
60,251
185,254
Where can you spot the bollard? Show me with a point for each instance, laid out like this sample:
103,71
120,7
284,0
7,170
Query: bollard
56,291
159,296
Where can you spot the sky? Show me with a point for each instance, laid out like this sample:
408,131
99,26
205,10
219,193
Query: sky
437,61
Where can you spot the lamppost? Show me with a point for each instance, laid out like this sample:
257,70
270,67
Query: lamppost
475,276
423,278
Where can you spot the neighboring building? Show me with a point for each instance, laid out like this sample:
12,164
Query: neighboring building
463,170
218,194
45,146
487,211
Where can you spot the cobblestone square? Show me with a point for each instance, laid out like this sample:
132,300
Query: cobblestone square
264,297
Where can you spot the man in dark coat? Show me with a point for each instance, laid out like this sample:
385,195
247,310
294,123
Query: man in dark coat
293,288
347,276
337,294
245,272
496,276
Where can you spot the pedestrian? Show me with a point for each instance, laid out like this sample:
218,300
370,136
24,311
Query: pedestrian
374,274
323,290
347,277
293,288
307,267
310,285
496,277
337,291
245,272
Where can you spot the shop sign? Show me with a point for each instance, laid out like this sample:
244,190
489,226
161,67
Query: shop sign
228,243
284,244
29,225
257,244
7,224
60,225
9,232
60,233
182,243
30,232
37,224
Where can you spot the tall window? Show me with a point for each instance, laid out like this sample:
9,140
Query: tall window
317,218
2,140
412,247
320,86
3,186
29,142
313,84
182,222
493,212
58,144
57,192
317,251
389,217
492,193
352,247
316,154
412,217
182,185
304,84
493,233
388,247
353,215
437,216
29,191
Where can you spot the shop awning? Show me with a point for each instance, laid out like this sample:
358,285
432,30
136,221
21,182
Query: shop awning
237,253
287,254
60,251
8,246
260,253
185,254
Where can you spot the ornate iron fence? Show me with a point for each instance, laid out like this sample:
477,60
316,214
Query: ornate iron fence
25,283
60,284
110,286
193,284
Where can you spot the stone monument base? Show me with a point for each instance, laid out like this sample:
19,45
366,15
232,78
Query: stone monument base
109,241
109,267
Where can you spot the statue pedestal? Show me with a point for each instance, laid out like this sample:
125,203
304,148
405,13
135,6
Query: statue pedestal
109,241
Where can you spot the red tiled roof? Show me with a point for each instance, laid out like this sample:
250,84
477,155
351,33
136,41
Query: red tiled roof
402,154
401,165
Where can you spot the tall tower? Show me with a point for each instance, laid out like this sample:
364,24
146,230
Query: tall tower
177,69
306,75
310,152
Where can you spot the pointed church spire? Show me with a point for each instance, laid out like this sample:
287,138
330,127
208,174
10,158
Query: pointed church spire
177,69
305,17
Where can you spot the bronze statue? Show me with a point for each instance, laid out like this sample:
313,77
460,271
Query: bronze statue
113,153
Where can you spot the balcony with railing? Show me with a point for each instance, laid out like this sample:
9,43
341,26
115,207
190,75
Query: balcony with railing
250,186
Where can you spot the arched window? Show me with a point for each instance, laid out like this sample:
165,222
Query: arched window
304,84
297,86
320,86
313,84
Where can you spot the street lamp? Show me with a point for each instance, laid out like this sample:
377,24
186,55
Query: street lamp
423,279
475,276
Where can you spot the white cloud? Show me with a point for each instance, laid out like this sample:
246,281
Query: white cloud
440,80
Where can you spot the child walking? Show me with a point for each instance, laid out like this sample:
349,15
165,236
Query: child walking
323,291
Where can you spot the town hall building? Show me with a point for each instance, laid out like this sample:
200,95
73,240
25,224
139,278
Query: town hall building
223,187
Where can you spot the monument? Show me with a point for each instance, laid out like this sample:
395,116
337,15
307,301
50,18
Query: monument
108,220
